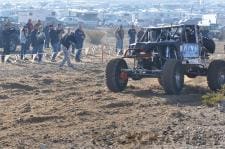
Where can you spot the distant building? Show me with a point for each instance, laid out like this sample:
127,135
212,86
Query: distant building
209,19
34,14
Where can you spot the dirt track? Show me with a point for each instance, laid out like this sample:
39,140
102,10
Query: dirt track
42,105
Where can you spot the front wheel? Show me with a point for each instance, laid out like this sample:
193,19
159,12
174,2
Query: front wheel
216,75
116,79
160,81
172,76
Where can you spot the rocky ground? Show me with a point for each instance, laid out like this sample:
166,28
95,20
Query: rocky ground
44,106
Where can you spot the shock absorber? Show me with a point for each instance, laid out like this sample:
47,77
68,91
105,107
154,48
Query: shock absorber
167,52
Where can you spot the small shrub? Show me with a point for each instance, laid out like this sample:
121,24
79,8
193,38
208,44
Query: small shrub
211,99
95,37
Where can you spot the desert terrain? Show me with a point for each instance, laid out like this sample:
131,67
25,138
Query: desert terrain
43,106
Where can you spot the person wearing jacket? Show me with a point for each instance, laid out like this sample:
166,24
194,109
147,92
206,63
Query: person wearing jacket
79,37
8,35
60,32
46,31
55,42
24,41
37,41
132,34
119,34
30,27
66,42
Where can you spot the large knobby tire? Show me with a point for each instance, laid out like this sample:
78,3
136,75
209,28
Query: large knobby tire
173,76
160,81
114,81
192,76
216,75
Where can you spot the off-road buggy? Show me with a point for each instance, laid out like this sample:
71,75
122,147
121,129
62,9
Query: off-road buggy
168,53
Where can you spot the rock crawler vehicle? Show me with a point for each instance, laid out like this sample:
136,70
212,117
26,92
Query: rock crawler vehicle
168,53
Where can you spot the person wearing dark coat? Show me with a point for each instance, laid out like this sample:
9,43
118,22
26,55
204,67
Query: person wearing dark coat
30,26
8,35
119,34
66,42
60,31
79,37
37,41
33,38
132,34
46,31
55,42
69,31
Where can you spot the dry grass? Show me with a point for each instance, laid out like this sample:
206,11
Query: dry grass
213,98
95,36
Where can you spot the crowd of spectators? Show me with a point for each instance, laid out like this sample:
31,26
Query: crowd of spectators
35,38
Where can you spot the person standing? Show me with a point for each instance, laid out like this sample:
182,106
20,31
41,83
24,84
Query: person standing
132,34
9,39
33,40
119,34
37,41
60,30
66,41
30,27
39,23
6,40
72,33
140,35
46,31
24,42
79,37
55,42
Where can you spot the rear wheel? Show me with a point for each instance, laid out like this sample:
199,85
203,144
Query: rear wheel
216,75
172,76
116,79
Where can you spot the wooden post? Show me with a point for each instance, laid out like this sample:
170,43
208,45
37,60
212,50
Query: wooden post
102,54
